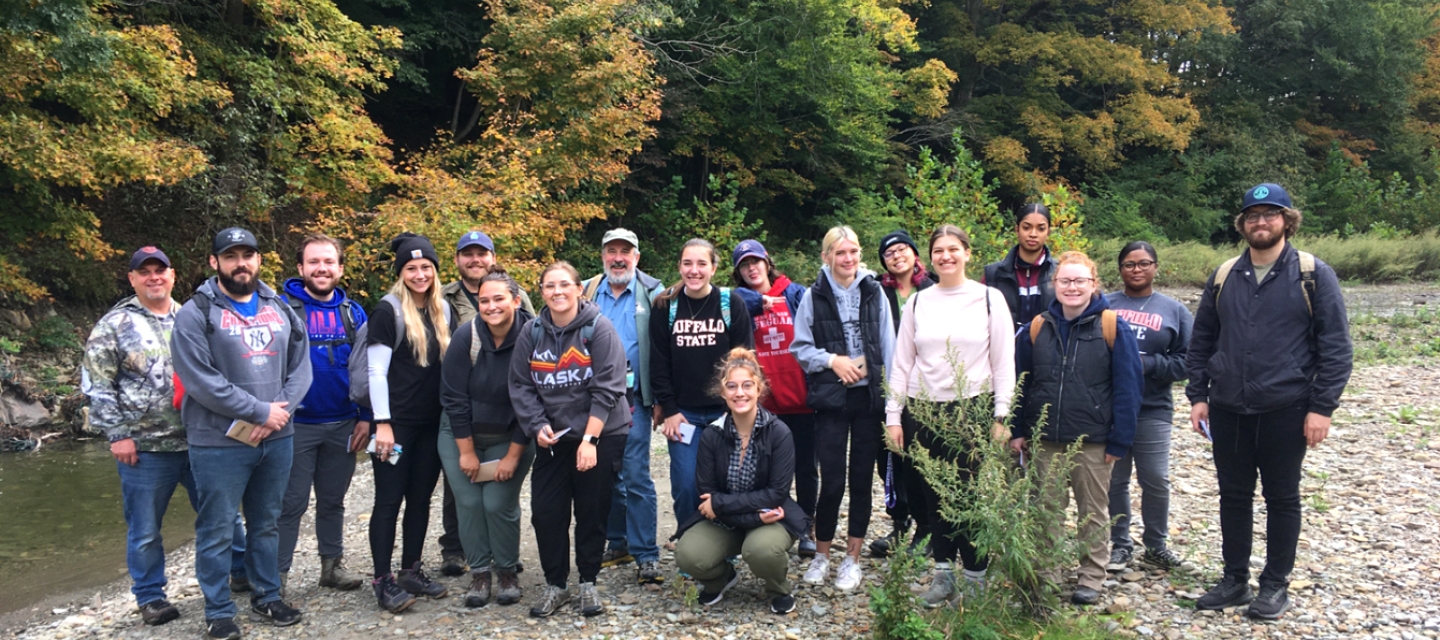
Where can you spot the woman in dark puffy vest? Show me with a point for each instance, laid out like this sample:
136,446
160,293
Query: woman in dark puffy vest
1082,363
843,338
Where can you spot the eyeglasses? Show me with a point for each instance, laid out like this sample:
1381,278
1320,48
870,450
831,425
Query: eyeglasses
1143,264
551,287
1073,282
747,385
1256,216
895,253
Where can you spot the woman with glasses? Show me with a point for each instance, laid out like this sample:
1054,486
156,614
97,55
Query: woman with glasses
1080,367
567,384
1162,327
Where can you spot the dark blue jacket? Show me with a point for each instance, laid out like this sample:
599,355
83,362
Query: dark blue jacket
793,294
329,397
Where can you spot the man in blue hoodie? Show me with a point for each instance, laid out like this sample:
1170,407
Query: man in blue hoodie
244,362
329,428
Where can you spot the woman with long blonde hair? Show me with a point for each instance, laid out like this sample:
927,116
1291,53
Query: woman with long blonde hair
409,330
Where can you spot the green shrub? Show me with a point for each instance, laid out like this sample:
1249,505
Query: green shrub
55,333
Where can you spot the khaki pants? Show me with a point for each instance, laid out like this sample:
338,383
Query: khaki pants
1090,481
703,550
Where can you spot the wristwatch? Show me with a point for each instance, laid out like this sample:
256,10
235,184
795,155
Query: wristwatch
589,438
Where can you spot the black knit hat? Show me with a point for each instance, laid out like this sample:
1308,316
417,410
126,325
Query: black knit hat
408,246
897,237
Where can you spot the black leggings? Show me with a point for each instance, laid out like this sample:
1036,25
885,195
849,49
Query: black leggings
557,489
946,539
807,473
412,480
859,425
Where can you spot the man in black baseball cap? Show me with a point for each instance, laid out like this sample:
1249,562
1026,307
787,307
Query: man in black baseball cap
233,237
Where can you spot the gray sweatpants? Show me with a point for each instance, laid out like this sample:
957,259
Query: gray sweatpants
322,460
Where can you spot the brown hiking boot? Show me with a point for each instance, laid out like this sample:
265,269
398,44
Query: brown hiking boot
479,593
509,591
333,574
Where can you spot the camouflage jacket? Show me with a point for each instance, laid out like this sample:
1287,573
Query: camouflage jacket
127,373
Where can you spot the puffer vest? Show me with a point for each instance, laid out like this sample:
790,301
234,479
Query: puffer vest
826,391
1073,380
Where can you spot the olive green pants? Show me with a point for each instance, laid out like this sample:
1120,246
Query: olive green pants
704,550
488,512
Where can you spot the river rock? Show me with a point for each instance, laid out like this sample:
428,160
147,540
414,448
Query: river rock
19,413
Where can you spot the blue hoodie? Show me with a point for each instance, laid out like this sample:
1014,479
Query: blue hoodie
329,397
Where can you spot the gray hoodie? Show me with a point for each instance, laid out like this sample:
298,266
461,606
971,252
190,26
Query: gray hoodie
562,381
236,368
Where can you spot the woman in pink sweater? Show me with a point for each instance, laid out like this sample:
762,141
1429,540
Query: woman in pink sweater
956,321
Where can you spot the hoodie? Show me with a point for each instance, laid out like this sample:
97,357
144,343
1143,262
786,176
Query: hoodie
477,396
329,397
563,381
235,371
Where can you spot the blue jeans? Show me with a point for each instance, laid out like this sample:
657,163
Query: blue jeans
146,489
682,465
633,509
227,478
1150,456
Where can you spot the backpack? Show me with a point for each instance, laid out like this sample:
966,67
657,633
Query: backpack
203,305
1307,277
586,333
1107,327
347,318
724,307
359,365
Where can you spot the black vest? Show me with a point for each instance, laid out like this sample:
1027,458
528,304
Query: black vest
826,392
1075,384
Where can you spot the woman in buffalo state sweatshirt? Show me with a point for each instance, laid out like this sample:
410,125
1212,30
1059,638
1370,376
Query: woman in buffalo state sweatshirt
568,389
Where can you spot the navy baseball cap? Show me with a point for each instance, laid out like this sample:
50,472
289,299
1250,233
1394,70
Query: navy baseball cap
747,249
475,239
147,253
1267,193
233,237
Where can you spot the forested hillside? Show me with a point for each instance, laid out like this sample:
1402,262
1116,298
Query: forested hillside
543,121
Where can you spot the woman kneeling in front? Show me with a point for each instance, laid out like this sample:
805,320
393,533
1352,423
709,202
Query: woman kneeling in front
743,474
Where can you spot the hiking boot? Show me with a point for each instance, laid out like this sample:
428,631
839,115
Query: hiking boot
942,589
782,604
616,556
818,571
590,604
971,587
848,576
277,612
551,599
239,584
708,598
1085,596
1273,602
881,548
158,612
452,565
807,546
479,593
222,629
390,596
334,575
1229,593
508,591
1164,559
649,573
1119,559
415,581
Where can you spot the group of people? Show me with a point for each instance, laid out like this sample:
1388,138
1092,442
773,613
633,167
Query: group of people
774,399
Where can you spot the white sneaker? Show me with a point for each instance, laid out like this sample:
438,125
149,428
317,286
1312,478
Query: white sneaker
848,577
818,571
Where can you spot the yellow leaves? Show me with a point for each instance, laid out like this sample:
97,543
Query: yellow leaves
927,88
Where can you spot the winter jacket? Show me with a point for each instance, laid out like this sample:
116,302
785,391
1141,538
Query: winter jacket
644,288
233,368
1085,388
477,396
127,373
774,471
774,332
1001,275
563,379
465,310
820,332
1260,349
329,397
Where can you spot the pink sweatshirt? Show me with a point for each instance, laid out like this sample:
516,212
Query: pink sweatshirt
953,320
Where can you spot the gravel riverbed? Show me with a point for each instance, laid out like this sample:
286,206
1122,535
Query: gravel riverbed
1368,565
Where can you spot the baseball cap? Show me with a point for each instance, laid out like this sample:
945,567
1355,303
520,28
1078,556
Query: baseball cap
147,253
747,249
620,233
233,237
1267,193
475,239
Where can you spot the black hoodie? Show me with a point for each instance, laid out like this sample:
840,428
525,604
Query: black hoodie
477,397
562,379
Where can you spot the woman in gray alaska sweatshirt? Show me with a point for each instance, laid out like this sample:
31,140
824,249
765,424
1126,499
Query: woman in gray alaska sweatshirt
567,384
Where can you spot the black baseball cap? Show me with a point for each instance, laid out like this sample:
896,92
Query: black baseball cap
233,237
145,254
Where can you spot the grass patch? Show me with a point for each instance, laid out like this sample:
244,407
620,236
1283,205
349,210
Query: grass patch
1404,337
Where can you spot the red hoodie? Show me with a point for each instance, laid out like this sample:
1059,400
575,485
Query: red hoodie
774,331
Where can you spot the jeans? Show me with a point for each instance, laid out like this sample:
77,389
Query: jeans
557,489
487,513
226,479
683,487
1272,447
1150,456
633,509
322,459
807,469
411,480
705,549
146,489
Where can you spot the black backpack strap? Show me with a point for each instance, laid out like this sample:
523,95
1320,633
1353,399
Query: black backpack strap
203,304
347,319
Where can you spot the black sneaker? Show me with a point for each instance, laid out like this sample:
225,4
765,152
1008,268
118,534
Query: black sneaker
782,604
1119,559
707,598
1229,593
415,581
222,629
1164,559
239,584
158,612
1085,596
277,612
615,557
649,572
453,566
390,596
1273,602
807,546
881,547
